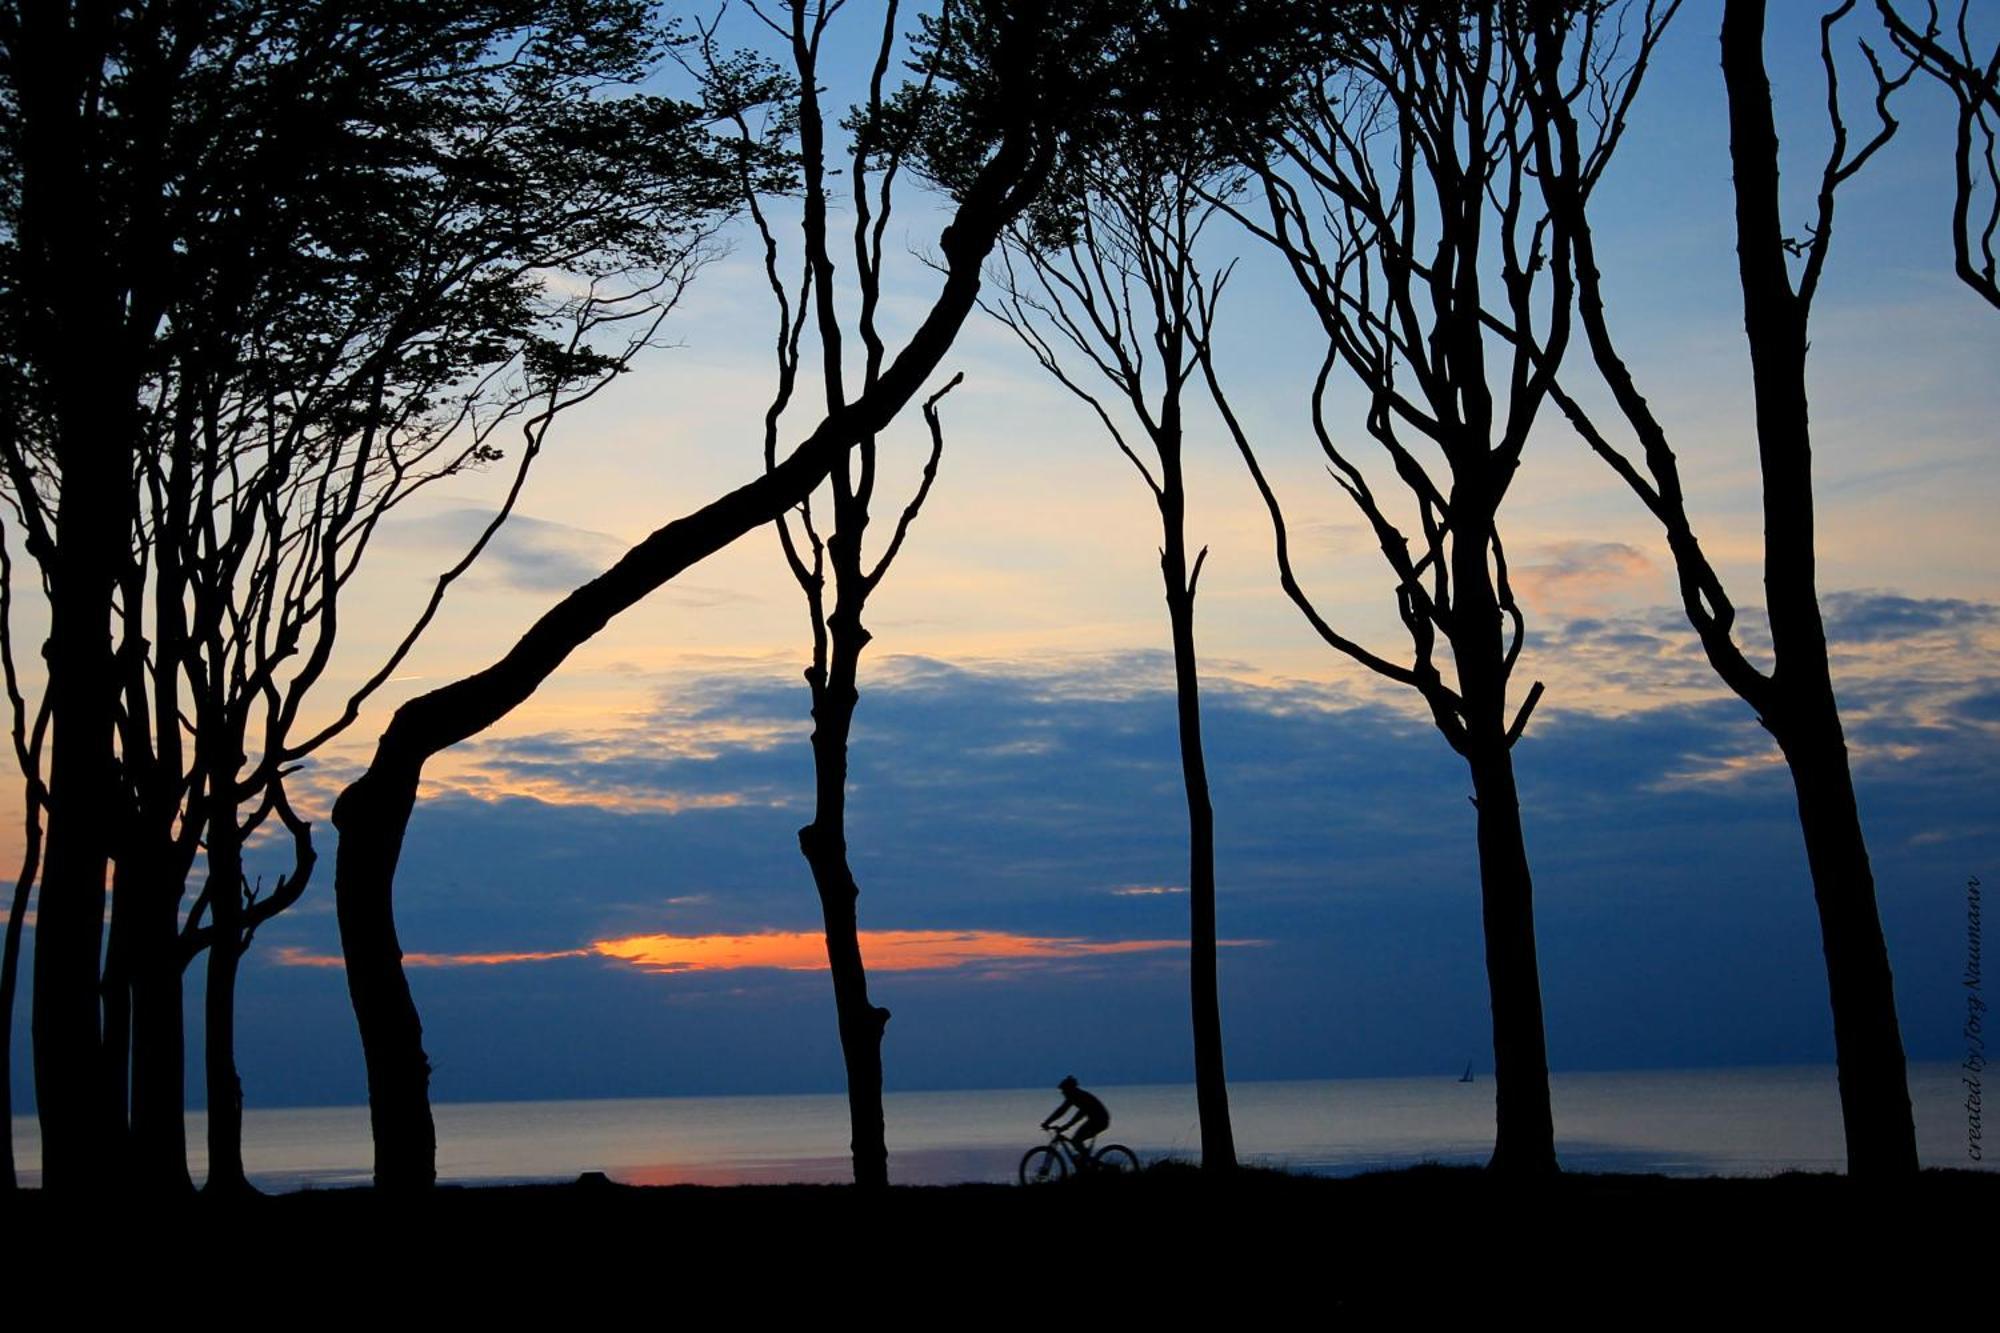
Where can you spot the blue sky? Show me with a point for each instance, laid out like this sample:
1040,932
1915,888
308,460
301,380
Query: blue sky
1014,759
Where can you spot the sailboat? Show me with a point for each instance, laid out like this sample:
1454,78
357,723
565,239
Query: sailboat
1466,1077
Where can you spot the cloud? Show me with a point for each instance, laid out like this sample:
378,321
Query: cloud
1893,656
527,553
535,555
1580,574
1675,916
1877,617
794,951
883,950
294,956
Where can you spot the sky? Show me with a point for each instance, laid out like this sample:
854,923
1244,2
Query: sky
603,895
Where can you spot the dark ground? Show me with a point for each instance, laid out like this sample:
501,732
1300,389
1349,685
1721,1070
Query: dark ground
1432,1244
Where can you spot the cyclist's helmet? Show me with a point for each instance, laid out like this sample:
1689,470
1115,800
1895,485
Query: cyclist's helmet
1068,1084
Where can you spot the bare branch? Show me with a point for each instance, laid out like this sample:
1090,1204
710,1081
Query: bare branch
909,514
1840,164
1520,723
1974,83
1281,539
291,885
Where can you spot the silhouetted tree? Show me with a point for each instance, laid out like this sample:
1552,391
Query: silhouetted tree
1794,700
1400,195
1115,293
387,235
1009,78
83,260
1948,56
875,159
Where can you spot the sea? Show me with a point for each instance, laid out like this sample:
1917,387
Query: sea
1736,1122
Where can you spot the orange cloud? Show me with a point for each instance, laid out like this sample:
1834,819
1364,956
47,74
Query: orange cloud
796,951
1581,575
884,950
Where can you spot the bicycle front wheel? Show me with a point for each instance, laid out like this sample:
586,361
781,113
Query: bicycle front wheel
1116,1159
1043,1166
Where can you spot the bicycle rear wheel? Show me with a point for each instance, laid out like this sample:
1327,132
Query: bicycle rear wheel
1043,1166
1115,1159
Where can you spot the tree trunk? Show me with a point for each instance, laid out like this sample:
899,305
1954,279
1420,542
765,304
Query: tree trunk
1801,712
1868,1044
1211,1088
1524,1134
76,332
10,977
372,815
83,804
1524,1141
824,842
159,1048
225,956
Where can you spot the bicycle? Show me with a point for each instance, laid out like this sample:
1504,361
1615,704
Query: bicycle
1061,1155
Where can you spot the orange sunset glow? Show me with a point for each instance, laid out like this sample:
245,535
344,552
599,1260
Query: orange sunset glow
795,951
885,950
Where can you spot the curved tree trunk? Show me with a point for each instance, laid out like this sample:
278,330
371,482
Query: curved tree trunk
1801,711
1795,700
372,815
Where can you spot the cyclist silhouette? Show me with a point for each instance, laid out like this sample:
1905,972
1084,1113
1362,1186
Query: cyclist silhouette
1090,1120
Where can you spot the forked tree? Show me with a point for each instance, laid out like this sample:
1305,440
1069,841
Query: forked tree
829,549
1794,698
1101,284
1400,195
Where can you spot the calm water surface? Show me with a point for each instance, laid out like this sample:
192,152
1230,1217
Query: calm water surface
1678,1122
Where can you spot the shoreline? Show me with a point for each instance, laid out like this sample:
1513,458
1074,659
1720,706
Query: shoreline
1683,1123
